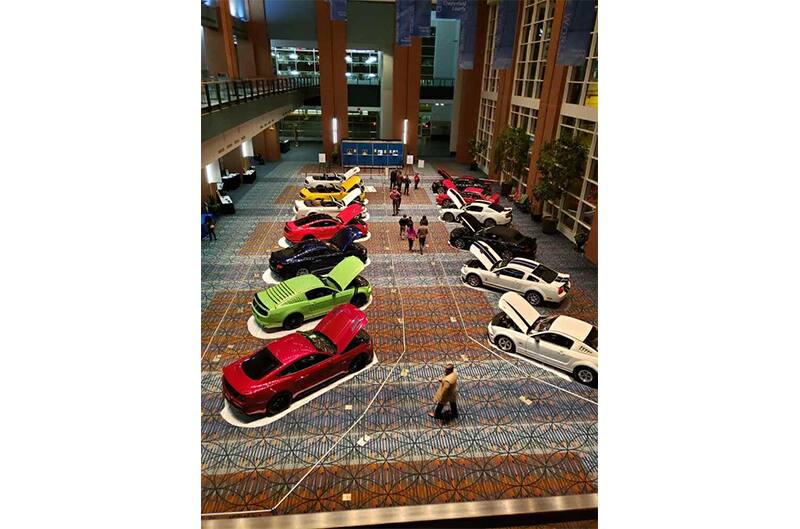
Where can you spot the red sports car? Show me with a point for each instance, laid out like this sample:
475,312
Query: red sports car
469,194
461,182
294,366
324,227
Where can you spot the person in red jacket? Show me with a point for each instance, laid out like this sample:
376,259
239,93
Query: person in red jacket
395,196
416,180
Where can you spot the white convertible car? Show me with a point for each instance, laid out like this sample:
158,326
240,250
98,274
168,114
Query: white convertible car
303,208
560,341
316,179
487,213
533,280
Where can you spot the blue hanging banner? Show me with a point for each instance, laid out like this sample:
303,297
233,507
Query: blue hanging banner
505,35
422,19
452,9
576,32
404,19
466,41
338,9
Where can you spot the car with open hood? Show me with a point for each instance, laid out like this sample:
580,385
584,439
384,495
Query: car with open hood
505,240
469,195
563,342
487,213
287,369
314,256
294,301
303,208
337,190
313,180
460,182
533,280
323,226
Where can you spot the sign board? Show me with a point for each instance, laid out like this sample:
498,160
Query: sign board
421,164
322,157
410,159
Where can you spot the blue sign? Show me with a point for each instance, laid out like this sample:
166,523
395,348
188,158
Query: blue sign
422,19
403,22
505,35
466,41
576,32
338,9
452,9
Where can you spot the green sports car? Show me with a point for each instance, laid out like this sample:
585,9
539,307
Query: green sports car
303,298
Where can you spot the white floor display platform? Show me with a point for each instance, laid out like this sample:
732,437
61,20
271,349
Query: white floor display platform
370,189
283,243
256,331
271,279
235,418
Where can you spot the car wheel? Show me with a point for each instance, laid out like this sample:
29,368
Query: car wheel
308,237
505,344
293,321
279,403
302,271
460,244
359,300
586,375
358,363
474,281
449,217
533,297
489,223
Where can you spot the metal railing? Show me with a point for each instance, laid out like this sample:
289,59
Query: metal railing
437,81
222,94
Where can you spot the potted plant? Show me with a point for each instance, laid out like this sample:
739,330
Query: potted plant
580,241
560,163
476,148
511,150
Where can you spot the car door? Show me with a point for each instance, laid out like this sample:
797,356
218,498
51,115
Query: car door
325,229
509,279
476,211
551,348
306,372
320,301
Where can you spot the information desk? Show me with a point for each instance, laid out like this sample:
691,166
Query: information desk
249,176
372,153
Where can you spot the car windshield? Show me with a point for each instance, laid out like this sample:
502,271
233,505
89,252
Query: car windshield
497,207
330,283
306,220
543,324
501,264
591,340
260,365
320,341
547,275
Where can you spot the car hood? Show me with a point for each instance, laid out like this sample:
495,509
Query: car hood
345,237
519,311
351,195
485,254
350,212
456,197
470,222
351,182
350,172
342,324
347,270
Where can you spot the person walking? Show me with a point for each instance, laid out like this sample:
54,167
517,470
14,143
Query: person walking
406,183
392,178
423,221
403,226
395,196
416,181
411,234
422,234
212,229
447,393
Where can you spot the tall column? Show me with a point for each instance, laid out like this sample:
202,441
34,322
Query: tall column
550,103
226,27
387,84
271,145
405,92
332,44
505,88
470,102
258,32
454,122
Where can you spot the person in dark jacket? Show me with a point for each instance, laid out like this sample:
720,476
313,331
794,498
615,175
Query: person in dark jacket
406,183
392,178
422,234
212,229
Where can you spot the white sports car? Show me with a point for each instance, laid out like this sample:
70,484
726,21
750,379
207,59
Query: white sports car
487,213
303,208
533,280
316,179
560,341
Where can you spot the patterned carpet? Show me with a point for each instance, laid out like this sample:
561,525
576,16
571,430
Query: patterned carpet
422,317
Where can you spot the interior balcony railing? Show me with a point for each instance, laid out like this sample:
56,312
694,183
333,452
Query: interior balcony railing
216,95
438,82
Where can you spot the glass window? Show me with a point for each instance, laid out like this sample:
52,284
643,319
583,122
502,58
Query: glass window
512,272
318,293
556,339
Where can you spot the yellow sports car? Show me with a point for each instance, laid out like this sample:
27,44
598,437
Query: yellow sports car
337,190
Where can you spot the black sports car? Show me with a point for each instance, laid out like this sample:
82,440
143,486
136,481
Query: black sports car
461,183
505,240
315,256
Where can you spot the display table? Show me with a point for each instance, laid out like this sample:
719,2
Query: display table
249,176
285,146
231,181
226,204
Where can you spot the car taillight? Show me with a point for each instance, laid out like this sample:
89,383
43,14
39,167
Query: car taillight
561,289
280,265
